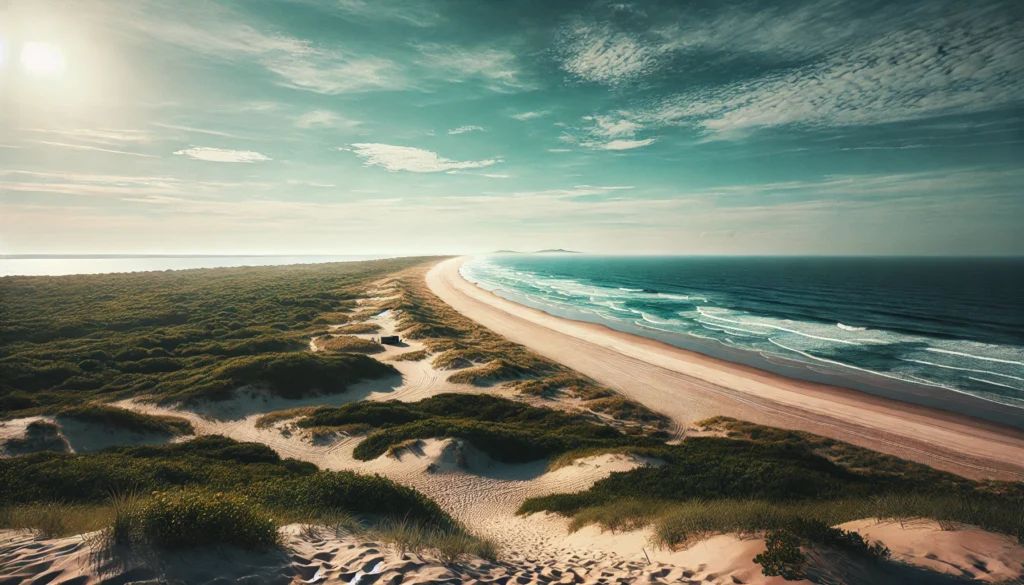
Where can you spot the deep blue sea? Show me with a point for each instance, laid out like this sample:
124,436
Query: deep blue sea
924,330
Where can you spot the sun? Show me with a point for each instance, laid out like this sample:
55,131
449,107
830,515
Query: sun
43,59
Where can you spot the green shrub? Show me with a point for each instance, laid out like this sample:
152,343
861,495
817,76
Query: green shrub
197,518
782,556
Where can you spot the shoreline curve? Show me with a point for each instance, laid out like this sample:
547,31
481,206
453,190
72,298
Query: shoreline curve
689,386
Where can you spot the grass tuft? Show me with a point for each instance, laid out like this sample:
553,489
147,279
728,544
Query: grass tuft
347,343
129,420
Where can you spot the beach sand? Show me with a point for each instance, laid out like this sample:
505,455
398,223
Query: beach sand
689,387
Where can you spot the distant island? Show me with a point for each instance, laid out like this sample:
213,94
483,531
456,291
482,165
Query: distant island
555,251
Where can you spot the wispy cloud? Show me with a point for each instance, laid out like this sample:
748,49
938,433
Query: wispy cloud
324,119
107,136
220,33
222,155
95,149
620,144
193,130
896,65
416,160
464,129
498,68
524,116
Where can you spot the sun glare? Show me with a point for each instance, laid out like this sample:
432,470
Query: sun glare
43,59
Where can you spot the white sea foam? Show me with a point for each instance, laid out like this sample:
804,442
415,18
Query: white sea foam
977,357
993,383
850,327
964,369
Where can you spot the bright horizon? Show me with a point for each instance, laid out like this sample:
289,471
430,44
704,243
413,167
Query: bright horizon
345,127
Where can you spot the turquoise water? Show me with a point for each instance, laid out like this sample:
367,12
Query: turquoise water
943,332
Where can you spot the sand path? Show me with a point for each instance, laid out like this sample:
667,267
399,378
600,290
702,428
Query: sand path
689,386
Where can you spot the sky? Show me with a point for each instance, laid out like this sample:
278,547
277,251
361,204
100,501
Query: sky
457,126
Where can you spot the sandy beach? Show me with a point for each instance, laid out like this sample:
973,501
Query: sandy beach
689,386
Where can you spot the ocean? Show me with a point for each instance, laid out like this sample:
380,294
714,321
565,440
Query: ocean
43,265
944,332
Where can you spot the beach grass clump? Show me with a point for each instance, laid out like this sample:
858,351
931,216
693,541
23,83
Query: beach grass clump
568,458
289,375
347,343
622,408
265,421
55,519
451,544
354,328
506,430
193,518
488,374
174,335
129,420
570,384
411,356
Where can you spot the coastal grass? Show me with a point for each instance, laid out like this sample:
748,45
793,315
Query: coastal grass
128,420
411,356
353,328
212,463
214,491
507,430
347,343
177,335
763,478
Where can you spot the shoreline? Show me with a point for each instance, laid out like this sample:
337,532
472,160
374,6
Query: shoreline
689,386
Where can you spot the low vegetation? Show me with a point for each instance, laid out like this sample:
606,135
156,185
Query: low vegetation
128,420
506,430
177,335
213,463
347,343
354,328
767,479
411,356
214,491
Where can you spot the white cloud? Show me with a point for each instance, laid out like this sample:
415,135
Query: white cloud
222,155
600,54
620,144
416,160
499,69
324,119
559,150
609,127
464,129
220,33
524,116
900,65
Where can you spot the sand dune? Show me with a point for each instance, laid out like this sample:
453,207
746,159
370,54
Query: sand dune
688,386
